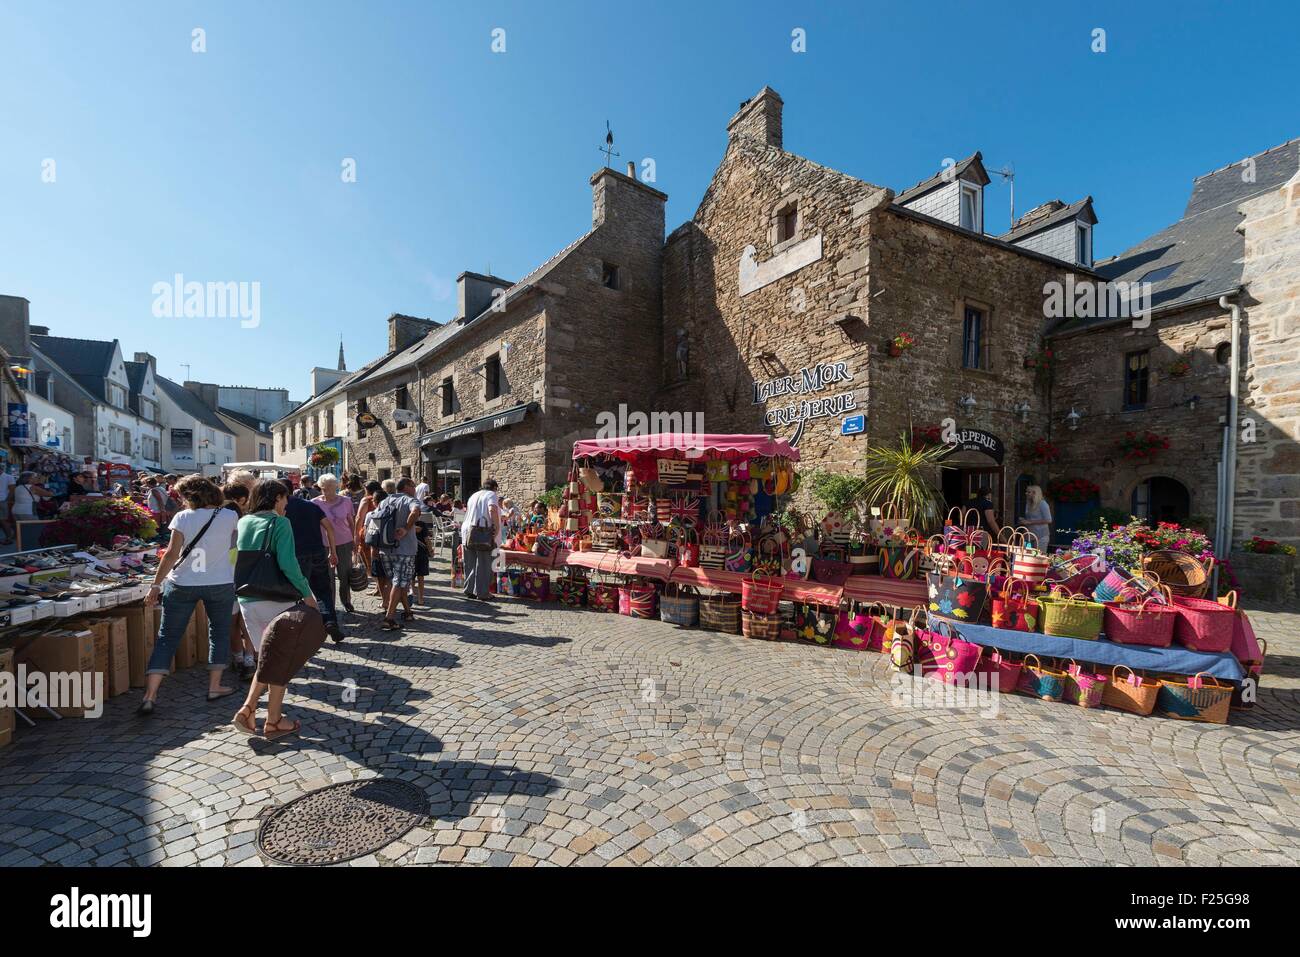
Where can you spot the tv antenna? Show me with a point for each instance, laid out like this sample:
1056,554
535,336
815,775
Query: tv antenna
608,148
187,369
1008,174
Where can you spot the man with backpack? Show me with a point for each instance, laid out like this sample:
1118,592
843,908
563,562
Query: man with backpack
390,532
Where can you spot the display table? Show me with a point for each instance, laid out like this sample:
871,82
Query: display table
1175,659
887,591
528,559
795,589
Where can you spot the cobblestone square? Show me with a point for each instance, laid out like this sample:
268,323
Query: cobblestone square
545,735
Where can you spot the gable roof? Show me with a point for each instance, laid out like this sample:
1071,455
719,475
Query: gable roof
135,376
87,361
190,404
974,163
1200,256
1080,209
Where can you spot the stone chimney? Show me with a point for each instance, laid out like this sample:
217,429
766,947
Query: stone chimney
621,200
15,326
206,391
759,119
1038,213
475,291
148,360
404,331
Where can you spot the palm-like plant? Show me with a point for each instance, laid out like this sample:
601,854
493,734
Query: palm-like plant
904,477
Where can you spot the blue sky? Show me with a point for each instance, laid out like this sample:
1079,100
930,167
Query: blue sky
225,165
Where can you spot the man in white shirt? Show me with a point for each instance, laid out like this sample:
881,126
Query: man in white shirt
422,492
479,533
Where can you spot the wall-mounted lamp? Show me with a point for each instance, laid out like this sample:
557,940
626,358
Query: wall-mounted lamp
966,404
1022,409
1191,403
1073,419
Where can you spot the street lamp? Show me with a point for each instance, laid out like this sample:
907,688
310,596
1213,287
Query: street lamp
1022,409
967,404
1073,419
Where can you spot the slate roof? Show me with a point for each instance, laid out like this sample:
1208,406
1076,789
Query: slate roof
1080,209
974,161
190,404
85,360
1203,248
251,421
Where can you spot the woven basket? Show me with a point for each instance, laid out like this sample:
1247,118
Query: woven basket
681,607
1184,575
720,613
1006,669
1039,681
1070,616
760,594
1131,693
1204,625
1084,688
571,591
1147,623
1194,699
637,601
765,627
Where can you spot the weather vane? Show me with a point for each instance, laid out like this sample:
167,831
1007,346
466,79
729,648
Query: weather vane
608,148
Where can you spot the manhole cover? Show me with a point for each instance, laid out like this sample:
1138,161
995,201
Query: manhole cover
341,822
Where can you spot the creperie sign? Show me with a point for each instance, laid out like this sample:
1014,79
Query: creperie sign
806,382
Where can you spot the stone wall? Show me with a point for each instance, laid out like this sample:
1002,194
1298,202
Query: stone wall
1268,469
1090,379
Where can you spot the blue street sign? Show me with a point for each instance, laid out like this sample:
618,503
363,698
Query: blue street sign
853,425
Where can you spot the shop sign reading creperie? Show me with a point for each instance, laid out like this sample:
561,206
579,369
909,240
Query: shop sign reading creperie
806,382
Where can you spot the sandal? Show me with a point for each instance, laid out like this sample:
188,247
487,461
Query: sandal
390,625
274,732
408,615
220,694
145,709
245,726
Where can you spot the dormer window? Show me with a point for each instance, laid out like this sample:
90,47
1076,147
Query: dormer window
787,222
1083,244
972,213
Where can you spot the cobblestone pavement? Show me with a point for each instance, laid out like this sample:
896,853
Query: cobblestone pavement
551,736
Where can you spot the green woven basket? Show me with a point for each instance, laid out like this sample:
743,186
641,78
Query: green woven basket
1071,616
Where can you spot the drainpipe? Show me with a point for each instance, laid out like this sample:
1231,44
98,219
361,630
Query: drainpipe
1224,543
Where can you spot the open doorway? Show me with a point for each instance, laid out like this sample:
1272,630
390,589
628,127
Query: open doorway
1162,499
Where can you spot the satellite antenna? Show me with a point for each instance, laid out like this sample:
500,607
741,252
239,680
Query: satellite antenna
1008,174
608,148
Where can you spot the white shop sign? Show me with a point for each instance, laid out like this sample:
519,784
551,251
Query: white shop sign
803,383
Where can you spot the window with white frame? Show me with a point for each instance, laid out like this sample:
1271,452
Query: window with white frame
972,215
1083,244
119,440
228,441
116,395
149,448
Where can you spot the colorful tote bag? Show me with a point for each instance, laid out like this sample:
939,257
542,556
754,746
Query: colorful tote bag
960,594
945,656
740,552
858,629
900,557
1013,609
816,623
1040,681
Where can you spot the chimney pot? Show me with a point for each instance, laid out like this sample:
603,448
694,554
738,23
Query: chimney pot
631,170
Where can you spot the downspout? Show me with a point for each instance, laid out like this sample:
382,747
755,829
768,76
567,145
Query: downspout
1223,544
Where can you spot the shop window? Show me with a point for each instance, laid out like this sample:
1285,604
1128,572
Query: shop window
385,474
448,397
1136,379
492,372
609,275
787,222
972,339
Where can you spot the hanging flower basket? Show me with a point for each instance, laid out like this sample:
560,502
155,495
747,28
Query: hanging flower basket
1040,452
924,436
901,343
324,457
1073,490
1179,367
1140,447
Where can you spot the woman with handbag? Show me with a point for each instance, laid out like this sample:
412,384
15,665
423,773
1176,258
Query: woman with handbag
268,582
195,568
480,531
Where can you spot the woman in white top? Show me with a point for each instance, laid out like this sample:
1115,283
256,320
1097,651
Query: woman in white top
1038,516
195,568
483,513
30,489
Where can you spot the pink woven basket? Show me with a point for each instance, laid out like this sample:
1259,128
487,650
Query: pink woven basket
1204,625
1147,623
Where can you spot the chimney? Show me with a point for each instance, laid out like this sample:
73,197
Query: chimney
40,330
626,202
15,325
147,359
475,292
404,331
1038,213
631,170
206,391
758,119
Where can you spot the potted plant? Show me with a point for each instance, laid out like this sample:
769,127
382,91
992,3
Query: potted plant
903,475
1179,367
1139,447
1073,490
1266,569
901,343
839,494
1040,452
924,436
324,457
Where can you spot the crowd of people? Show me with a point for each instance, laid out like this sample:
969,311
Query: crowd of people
256,553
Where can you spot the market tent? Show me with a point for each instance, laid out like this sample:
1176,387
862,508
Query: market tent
689,445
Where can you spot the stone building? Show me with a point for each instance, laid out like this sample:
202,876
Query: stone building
523,369
1238,241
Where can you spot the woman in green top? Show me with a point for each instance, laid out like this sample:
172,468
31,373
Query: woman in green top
265,516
